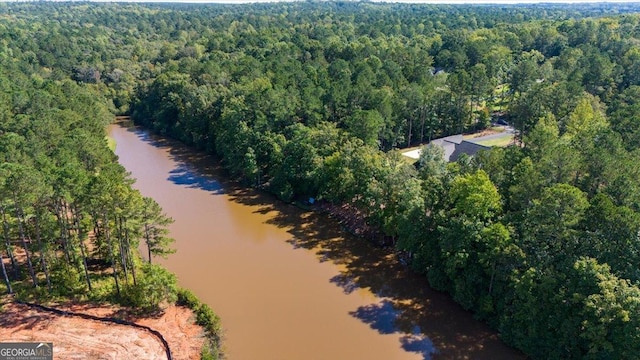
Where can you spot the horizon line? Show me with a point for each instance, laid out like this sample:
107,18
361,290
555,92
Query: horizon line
431,2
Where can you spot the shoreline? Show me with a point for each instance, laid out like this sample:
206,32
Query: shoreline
417,309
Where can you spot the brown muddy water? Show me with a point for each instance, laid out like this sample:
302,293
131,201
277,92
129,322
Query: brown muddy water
289,284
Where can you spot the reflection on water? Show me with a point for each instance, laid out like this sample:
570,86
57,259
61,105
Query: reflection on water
427,322
185,175
346,282
384,316
289,283
381,316
418,343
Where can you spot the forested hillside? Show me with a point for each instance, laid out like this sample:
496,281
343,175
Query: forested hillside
66,205
71,222
540,239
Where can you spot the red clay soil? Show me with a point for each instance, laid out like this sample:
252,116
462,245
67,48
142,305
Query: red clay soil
77,338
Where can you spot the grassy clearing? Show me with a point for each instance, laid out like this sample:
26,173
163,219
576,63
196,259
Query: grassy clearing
500,95
409,160
501,141
485,132
111,143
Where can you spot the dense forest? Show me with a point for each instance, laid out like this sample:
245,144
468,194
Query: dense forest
540,239
67,206
71,222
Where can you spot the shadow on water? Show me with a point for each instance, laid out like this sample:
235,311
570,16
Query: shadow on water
384,318
381,317
147,136
194,169
428,322
345,282
183,175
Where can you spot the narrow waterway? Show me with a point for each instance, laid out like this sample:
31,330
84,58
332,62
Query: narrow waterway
288,283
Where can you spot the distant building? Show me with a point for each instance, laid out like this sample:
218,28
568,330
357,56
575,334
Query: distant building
453,146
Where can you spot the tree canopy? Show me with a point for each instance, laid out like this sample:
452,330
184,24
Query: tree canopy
314,99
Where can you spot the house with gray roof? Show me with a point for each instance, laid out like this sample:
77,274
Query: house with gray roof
454,146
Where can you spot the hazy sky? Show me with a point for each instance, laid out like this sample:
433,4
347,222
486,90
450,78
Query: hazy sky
405,1
513,1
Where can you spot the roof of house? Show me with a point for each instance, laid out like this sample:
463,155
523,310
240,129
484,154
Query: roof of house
453,146
466,147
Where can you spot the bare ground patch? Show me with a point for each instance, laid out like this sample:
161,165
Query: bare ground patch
77,338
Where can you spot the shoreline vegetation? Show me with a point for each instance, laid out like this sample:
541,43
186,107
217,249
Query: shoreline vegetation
71,223
86,260
152,293
313,100
521,236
